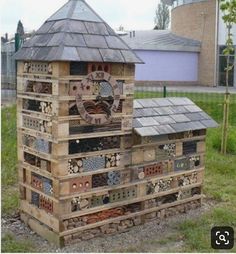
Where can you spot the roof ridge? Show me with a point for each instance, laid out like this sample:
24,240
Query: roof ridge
94,38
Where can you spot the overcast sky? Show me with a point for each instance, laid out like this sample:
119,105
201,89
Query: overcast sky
131,14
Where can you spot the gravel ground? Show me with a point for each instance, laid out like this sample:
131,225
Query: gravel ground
150,237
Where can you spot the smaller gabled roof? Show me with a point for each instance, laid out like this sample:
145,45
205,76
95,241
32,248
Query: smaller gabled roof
76,33
154,117
162,40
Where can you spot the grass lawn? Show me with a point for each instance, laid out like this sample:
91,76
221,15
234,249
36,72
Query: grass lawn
220,179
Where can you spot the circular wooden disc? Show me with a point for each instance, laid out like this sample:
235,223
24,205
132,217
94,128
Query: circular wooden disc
99,118
141,175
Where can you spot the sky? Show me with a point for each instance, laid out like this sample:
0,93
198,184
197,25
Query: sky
131,14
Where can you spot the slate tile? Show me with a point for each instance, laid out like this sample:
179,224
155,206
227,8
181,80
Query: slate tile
115,42
42,52
111,55
95,41
180,101
76,40
148,112
196,125
58,26
138,113
96,28
164,129
193,108
162,102
164,111
76,26
137,104
180,127
179,109
45,27
163,120
88,55
179,118
147,103
195,116
130,57
205,115
136,124
177,101
146,131
81,11
147,121
70,53
210,123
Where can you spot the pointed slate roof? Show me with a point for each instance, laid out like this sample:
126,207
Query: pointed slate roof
76,33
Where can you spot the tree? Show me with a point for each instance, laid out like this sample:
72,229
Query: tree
20,29
162,17
228,7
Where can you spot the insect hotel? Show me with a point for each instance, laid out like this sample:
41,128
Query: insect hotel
92,160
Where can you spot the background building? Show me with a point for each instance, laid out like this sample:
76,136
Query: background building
168,58
202,20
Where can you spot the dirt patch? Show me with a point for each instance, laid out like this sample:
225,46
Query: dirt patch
153,236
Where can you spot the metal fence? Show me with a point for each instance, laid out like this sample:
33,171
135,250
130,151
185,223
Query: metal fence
209,99
8,73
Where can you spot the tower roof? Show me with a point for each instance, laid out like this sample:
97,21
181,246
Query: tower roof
76,33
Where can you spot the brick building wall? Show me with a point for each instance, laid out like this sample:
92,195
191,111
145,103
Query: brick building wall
198,21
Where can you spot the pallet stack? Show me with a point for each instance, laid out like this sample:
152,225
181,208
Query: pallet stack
91,163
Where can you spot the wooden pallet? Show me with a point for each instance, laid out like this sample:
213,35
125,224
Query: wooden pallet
78,180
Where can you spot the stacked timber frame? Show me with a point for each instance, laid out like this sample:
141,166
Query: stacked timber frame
92,160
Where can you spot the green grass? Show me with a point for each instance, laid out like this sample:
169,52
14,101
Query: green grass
9,155
10,244
219,181
10,192
219,185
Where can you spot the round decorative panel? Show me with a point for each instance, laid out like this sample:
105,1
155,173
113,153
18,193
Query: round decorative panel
100,109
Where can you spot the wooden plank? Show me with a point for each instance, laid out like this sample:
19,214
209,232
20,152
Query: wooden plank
82,228
60,149
149,154
36,170
63,69
59,169
201,147
66,98
64,87
36,153
31,96
41,230
96,153
63,108
94,135
20,67
179,149
63,130
128,107
200,138
95,172
41,215
129,70
36,134
153,179
137,156
39,192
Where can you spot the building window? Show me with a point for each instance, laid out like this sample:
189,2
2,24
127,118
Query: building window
222,66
